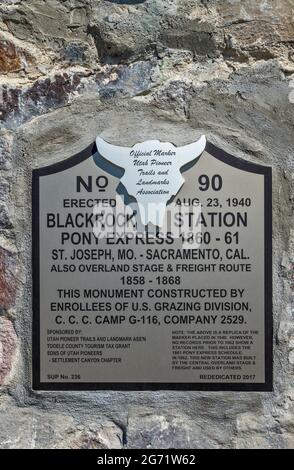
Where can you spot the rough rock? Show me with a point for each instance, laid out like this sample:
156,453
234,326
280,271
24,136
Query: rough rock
147,430
5,222
93,436
14,56
8,349
9,274
6,142
135,70
25,428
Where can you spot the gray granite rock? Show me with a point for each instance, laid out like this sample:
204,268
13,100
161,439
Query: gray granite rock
135,70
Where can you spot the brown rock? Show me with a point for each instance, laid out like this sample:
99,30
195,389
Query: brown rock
257,29
21,104
108,436
8,347
9,60
13,58
8,277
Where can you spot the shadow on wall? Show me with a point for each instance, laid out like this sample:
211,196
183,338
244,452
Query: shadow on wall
117,172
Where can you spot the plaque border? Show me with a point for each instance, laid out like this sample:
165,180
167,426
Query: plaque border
221,155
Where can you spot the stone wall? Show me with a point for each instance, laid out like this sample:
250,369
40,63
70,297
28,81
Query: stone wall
170,69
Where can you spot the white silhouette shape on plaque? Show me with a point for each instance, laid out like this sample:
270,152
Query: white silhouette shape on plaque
152,172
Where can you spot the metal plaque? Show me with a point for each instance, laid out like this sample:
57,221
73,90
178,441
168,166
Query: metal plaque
152,269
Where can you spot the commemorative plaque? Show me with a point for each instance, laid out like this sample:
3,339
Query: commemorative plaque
152,269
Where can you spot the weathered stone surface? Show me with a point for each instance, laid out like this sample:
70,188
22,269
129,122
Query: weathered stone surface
171,430
258,432
54,25
8,274
286,330
88,34
20,105
5,221
135,70
239,30
14,57
4,189
93,436
29,428
8,349
6,141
